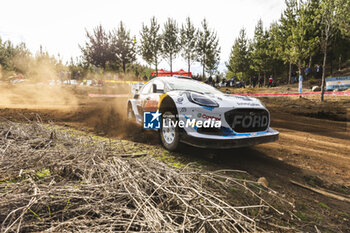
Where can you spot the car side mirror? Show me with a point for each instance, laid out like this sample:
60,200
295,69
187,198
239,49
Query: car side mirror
154,88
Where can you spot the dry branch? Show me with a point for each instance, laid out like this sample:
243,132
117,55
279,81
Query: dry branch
320,191
59,180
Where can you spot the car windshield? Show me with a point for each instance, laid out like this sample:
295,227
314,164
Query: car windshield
191,85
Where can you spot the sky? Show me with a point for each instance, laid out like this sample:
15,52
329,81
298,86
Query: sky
59,25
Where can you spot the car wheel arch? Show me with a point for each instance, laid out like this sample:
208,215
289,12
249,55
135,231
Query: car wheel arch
168,104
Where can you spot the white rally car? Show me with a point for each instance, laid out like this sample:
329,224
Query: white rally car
197,114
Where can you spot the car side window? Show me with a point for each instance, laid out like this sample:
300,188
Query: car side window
146,89
160,86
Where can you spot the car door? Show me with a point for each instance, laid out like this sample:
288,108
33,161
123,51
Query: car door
144,96
152,98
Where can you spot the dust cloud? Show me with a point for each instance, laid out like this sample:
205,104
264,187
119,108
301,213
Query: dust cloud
35,94
33,89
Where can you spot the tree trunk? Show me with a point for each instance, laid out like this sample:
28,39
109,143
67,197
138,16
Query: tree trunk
171,65
264,78
203,75
290,73
156,63
310,61
300,83
339,62
331,61
203,68
324,69
189,67
124,65
259,79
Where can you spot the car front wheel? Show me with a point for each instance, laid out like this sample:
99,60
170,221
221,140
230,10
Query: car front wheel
169,132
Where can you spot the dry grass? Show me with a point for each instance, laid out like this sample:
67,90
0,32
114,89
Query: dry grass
57,180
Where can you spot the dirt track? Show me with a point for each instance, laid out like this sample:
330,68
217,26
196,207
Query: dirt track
311,150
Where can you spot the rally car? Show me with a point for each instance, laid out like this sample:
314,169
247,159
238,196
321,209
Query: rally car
187,111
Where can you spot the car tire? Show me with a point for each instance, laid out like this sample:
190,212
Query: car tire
170,136
130,114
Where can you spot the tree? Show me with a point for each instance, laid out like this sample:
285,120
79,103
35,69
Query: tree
328,21
188,43
312,30
284,34
342,16
7,52
14,57
213,59
239,57
340,49
151,43
21,59
123,46
207,48
171,42
302,44
275,60
259,54
341,43
97,50
297,37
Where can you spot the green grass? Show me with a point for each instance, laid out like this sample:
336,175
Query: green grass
43,173
323,205
302,216
38,217
344,214
178,164
318,217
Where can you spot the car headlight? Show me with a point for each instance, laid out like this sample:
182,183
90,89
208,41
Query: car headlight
201,100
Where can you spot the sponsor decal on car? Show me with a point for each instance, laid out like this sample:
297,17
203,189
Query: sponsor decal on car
205,116
209,123
152,120
250,120
150,105
248,104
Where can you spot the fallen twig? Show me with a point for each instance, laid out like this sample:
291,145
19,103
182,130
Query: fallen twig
320,191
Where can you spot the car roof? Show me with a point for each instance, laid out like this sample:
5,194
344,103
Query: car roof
165,78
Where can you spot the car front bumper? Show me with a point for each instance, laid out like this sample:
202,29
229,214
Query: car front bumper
218,142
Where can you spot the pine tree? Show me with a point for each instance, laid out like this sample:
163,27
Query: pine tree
301,43
342,16
312,30
340,45
124,46
259,47
171,42
239,57
340,48
151,43
328,22
97,50
188,43
207,48
287,22
275,61
213,58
